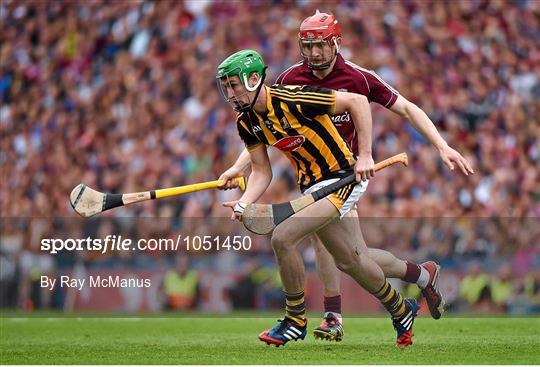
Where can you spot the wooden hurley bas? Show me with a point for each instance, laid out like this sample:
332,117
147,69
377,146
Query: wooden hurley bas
263,218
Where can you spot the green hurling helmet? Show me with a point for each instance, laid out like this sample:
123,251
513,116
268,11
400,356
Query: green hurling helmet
241,64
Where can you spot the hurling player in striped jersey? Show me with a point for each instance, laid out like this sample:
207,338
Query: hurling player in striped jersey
324,67
297,121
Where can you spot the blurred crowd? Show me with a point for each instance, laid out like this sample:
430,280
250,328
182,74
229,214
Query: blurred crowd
121,96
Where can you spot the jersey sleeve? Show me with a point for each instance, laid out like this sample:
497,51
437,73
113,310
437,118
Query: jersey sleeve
312,101
318,101
250,141
379,91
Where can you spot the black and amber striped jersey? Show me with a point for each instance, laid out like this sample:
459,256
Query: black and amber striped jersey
298,123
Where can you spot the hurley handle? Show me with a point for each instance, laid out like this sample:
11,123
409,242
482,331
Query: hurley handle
327,190
347,180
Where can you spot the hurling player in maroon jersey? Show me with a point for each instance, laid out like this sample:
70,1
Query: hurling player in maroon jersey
323,66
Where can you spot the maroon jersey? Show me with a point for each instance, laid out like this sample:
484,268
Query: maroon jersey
345,77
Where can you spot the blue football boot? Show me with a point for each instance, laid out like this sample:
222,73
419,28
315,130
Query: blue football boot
284,332
404,324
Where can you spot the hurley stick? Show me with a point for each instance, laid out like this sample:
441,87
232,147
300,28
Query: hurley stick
263,218
88,202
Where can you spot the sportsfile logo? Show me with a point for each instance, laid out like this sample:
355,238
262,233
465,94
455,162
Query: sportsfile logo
121,243
290,143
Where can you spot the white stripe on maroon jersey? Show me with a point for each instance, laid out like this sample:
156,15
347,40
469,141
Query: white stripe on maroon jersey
359,68
287,71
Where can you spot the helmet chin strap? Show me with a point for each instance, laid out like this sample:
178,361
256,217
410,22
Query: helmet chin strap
337,46
251,89
257,87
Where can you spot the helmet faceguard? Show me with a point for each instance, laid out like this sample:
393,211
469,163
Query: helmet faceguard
320,31
233,79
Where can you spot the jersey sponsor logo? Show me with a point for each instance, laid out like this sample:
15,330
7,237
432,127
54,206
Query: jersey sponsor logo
341,119
257,128
290,143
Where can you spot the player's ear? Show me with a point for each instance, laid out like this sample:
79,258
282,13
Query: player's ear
253,79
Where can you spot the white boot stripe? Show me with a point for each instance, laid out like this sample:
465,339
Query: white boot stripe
408,324
287,336
436,280
405,321
295,329
291,333
406,327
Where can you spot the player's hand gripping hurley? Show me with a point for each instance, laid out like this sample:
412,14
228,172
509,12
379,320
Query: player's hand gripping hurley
263,218
88,202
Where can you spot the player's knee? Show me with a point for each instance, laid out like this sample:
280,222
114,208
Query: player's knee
281,241
347,265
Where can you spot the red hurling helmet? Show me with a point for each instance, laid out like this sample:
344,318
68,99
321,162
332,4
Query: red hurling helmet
319,28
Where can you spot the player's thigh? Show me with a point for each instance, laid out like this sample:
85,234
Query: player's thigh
323,258
305,222
342,237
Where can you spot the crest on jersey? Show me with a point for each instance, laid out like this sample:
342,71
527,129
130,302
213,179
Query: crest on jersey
285,123
290,143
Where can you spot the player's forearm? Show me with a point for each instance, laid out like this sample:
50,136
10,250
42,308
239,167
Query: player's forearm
259,180
361,114
423,124
243,162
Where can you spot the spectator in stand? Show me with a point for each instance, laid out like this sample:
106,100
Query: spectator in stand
531,289
181,286
475,289
502,288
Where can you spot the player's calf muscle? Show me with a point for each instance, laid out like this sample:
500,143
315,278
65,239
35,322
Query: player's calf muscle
329,274
292,273
362,269
391,265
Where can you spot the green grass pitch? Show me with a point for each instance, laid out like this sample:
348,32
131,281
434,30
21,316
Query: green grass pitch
221,340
